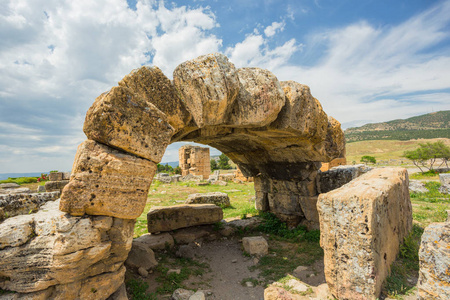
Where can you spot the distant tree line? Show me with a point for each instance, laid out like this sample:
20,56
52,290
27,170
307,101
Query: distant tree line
168,169
402,135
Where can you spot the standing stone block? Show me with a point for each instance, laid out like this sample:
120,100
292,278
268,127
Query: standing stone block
107,182
362,225
434,256
55,176
169,218
209,85
53,186
122,119
260,98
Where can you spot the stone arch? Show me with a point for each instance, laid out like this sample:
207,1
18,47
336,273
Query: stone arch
275,131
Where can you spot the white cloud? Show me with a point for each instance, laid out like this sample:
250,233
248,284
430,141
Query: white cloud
272,29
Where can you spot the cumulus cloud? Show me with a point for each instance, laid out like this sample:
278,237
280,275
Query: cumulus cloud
272,29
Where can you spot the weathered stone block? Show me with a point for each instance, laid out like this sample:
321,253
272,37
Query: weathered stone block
362,225
338,176
434,255
52,186
209,85
302,113
123,120
107,182
179,216
55,176
255,245
153,86
217,198
155,241
141,256
260,98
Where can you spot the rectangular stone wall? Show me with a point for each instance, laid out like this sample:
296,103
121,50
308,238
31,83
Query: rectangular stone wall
194,160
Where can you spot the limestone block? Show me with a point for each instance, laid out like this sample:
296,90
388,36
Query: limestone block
417,186
122,119
184,215
151,85
445,183
209,85
10,185
260,98
434,256
302,113
217,198
141,256
21,204
309,208
255,245
15,191
52,186
107,182
155,241
55,176
362,225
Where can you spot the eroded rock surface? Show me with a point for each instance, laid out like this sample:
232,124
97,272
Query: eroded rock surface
362,225
434,255
53,253
107,182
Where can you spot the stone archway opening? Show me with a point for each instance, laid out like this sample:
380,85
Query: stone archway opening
276,132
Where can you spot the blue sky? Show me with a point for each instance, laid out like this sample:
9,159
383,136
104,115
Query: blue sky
365,61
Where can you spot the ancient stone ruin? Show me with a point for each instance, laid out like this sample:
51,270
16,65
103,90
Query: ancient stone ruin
276,132
194,160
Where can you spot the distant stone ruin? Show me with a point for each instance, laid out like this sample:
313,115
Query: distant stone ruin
276,132
194,160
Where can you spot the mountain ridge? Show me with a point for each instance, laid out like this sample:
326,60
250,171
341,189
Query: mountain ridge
432,125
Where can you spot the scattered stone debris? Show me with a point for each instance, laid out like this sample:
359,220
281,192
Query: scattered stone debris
417,186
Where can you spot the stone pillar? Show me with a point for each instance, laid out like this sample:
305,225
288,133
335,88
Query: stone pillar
194,160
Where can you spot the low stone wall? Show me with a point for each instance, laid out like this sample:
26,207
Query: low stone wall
362,225
19,204
294,200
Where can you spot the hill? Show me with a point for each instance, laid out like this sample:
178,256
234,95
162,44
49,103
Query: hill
429,126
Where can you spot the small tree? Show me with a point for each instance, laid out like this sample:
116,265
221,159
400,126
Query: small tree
213,164
368,159
427,154
223,162
177,170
